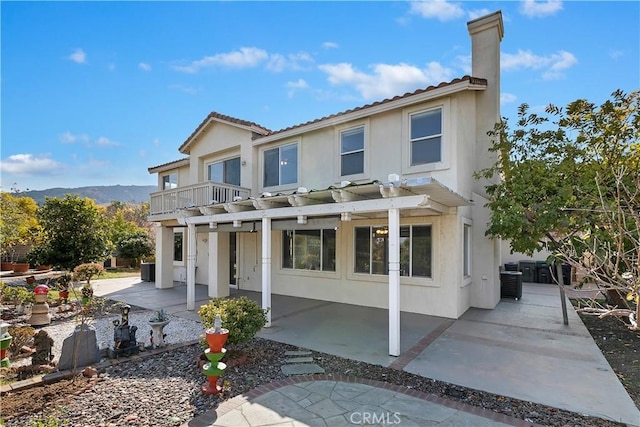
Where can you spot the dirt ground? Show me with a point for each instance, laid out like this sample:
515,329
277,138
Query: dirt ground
620,346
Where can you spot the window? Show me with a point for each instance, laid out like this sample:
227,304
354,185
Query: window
309,249
170,181
466,247
177,246
426,137
372,250
227,172
281,165
352,151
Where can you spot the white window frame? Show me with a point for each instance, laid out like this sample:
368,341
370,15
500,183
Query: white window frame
262,167
467,251
446,137
177,233
322,261
410,276
365,149
169,175
222,161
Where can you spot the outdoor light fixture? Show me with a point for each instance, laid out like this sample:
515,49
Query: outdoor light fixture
345,216
237,223
213,225
302,219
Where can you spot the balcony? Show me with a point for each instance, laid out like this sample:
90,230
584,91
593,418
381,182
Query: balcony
193,196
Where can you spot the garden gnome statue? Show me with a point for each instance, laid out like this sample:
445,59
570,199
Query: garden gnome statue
5,342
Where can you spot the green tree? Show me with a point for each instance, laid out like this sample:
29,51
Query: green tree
75,231
569,180
18,223
135,246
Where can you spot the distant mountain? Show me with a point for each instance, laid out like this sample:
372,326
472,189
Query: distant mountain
100,194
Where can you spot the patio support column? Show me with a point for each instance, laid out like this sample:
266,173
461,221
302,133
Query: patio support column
266,267
191,266
394,282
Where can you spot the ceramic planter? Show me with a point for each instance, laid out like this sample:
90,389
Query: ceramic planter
6,266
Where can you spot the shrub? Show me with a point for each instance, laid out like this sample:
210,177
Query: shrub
241,316
88,271
20,336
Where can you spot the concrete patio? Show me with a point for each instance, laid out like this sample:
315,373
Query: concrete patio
520,349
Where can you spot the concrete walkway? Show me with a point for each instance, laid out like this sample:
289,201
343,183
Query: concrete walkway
520,349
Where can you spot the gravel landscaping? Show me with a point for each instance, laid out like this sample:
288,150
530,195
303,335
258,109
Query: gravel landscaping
165,390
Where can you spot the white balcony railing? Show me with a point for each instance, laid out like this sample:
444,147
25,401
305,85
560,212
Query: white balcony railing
193,196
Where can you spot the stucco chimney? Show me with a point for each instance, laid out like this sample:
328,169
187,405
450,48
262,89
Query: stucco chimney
486,34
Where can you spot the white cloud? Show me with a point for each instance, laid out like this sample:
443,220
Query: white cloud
552,66
507,98
78,56
615,54
144,66
537,9
246,57
184,88
477,13
439,9
106,142
30,164
295,86
295,61
330,45
70,138
464,62
249,57
386,80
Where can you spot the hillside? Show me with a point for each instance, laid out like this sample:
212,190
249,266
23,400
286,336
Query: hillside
101,194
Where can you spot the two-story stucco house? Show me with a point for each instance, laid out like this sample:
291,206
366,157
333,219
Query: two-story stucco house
373,206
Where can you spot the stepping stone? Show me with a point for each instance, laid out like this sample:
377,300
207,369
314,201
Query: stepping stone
297,353
301,369
299,360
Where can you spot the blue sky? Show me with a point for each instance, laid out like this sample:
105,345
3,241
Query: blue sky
94,93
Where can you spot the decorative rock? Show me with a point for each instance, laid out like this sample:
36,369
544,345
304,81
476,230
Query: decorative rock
80,349
90,371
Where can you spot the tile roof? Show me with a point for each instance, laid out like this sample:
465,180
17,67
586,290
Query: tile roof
171,163
225,118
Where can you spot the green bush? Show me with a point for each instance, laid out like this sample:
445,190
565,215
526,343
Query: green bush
241,316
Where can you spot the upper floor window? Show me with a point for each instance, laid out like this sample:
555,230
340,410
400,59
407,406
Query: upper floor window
226,172
281,165
309,249
426,137
352,151
372,250
170,181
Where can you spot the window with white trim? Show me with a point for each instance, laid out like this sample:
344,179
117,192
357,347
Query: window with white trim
372,250
352,151
170,181
178,247
225,172
426,137
466,247
280,165
309,249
